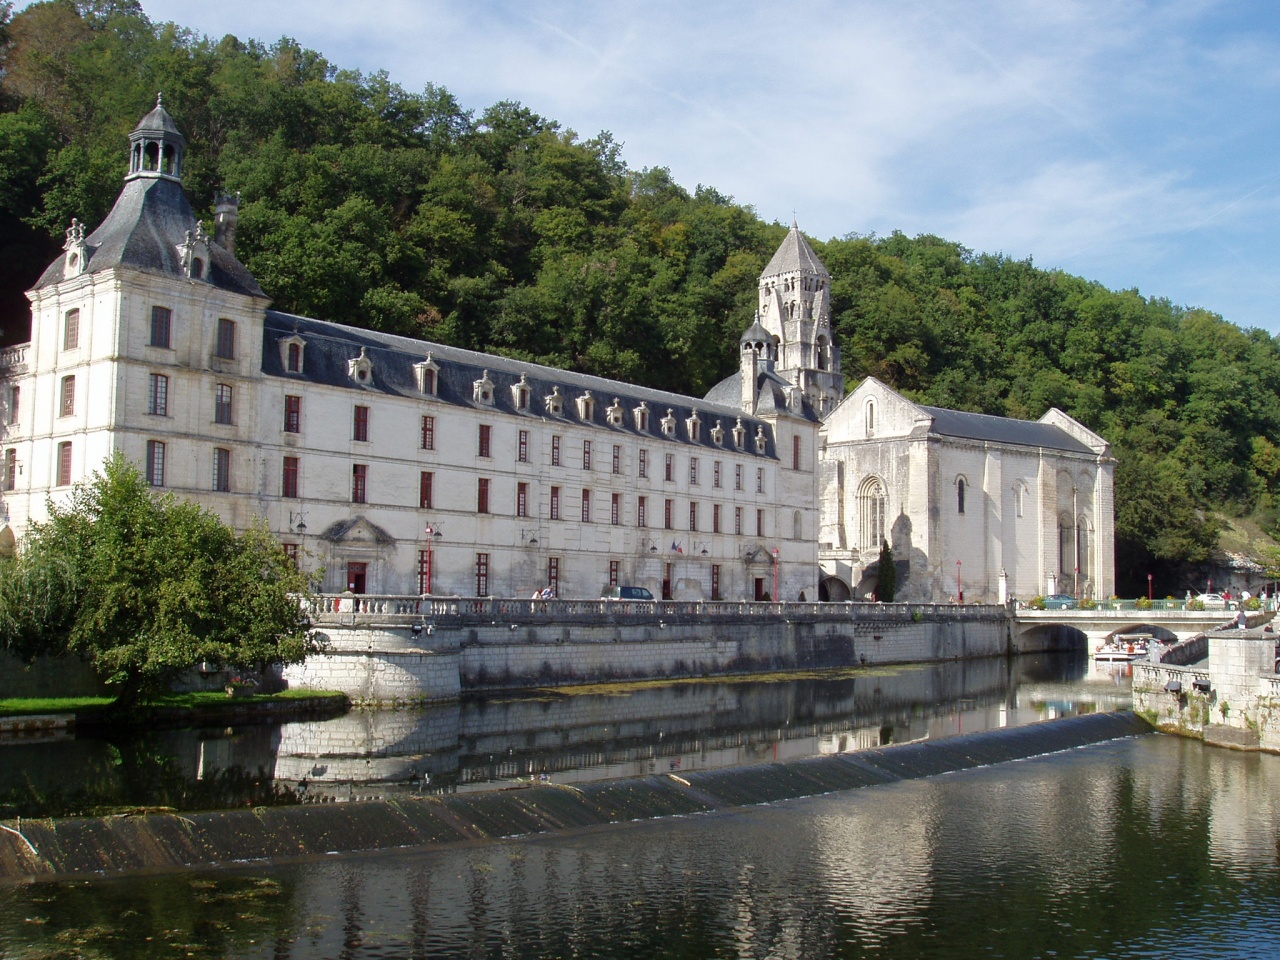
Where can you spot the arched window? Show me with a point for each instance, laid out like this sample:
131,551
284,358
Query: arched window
1084,547
871,418
797,526
1066,548
960,485
871,513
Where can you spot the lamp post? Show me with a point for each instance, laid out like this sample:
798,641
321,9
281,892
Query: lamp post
775,574
432,535
1150,589
959,582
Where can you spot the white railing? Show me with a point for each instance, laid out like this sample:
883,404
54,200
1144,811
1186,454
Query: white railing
15,356
348,607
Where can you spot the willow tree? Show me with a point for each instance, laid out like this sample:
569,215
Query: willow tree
144,586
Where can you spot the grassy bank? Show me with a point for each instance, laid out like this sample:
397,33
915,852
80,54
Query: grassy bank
202,704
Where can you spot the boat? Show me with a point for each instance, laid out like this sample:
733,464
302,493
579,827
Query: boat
1123,648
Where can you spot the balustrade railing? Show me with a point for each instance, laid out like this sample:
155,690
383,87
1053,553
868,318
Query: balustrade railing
346,608
11,357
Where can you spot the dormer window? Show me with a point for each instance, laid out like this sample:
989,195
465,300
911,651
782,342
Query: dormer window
586,407
76,259
642,417
762,442
291,350
520,392
694,425
426,374
739,434
717,434
482,390
360,369
669,424
614,413
193,253
555,403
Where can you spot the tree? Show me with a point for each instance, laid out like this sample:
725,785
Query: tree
886,574
146,586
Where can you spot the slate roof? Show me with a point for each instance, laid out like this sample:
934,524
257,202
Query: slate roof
144,229
329,347
795,255
771,394
981,426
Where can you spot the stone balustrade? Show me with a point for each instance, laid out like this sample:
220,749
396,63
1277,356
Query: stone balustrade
14,359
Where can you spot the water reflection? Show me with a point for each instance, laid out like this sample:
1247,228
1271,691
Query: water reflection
480,743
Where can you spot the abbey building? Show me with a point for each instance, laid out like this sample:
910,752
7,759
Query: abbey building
397,466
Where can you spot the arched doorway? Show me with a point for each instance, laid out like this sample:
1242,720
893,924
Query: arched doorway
833,590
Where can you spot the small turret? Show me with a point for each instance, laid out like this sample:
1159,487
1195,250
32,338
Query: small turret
756,356
156,146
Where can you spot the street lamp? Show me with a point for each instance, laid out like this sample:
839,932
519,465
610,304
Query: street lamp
959,582
298,521
1150,593
432,535
775,574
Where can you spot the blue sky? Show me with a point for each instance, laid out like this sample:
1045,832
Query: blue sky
1131,142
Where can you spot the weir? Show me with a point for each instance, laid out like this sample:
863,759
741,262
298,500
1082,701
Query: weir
46,849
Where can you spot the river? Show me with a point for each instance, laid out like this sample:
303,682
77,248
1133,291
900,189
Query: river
1145,847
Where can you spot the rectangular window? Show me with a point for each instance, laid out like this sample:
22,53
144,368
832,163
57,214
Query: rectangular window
617,458
522,499
482,574
586,454
669,473
161,323
715,581
292,414
668,509
522,447
553,575
482,495
155,463
737,521
715,474
158,395
359,483
426,484
424,572
71,330
555,503
643,463
429,381
10,468
613,573
222,470
360,423
737,476
586,505
795,453
68,404
759,523
615,509
291,551
693,471
225,348
759,479
289,478
555,451
293,358
642,511
15,394
222,403
693,516
715,518
64,464
484,445
428,433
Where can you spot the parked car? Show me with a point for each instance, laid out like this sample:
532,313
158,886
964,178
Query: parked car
1212,601
626,593
1061,601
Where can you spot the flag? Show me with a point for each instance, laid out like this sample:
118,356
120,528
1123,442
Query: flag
677,547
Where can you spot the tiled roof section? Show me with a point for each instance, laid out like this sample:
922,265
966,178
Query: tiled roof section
144,230
981,426
795,256
330,346
159,121
771,394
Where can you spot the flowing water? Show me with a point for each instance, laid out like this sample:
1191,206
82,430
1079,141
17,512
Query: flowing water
1149,846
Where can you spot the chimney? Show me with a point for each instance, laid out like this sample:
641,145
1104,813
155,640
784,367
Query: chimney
226,210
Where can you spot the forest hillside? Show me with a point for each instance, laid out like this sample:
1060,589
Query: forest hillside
496,229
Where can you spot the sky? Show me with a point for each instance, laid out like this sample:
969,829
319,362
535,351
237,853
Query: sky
1130,142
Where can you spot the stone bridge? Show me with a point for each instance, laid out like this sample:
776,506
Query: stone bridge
1170,623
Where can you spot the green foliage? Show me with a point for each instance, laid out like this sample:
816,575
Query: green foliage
144,587
404,211
886,574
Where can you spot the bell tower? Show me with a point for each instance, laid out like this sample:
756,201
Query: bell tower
156,146
795,307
